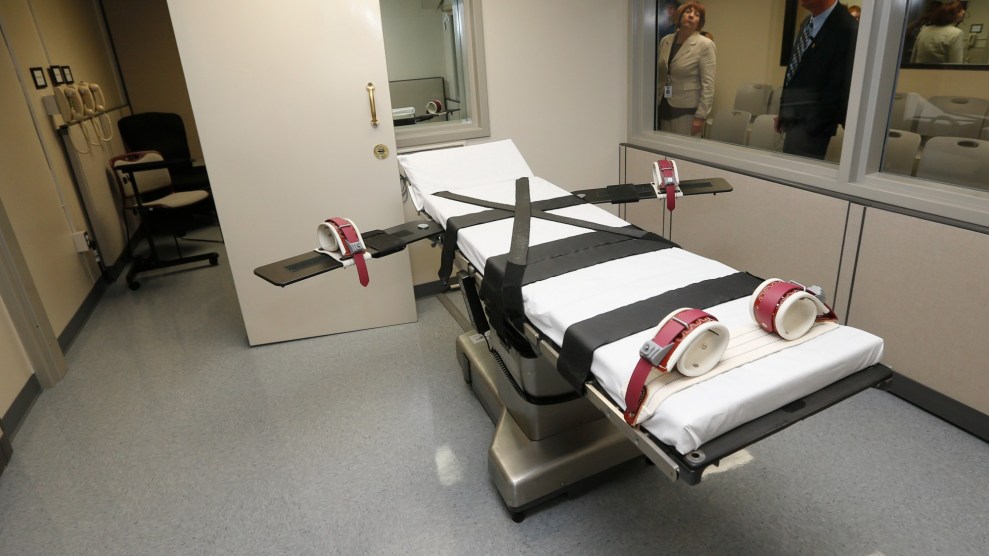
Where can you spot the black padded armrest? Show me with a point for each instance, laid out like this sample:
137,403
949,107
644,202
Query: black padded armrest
154,165
379,243
635,192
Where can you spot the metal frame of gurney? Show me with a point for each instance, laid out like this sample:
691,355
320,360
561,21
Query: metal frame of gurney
548,438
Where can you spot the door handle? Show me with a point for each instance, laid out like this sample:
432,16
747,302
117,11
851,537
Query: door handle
374,110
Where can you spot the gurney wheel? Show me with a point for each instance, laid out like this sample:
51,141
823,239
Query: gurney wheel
134,285
518,517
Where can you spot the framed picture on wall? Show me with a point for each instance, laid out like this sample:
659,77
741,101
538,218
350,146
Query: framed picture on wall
38,76
67,75
55,72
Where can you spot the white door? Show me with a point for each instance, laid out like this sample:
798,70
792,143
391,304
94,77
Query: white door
279,94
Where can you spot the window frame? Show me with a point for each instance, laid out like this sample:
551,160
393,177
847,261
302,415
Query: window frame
856,176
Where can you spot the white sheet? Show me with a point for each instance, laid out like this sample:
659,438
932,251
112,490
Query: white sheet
456,168
689,418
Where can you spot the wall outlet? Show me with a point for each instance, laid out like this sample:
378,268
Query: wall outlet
51,107
81,241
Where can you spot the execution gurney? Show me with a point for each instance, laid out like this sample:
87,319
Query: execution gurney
558,323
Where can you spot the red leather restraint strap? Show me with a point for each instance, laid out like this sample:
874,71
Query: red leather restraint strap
670,335
352,246
667,173
771,298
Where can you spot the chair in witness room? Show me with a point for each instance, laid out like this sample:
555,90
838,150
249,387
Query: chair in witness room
833,154
954,116
774,101
956,160
763,134
164,132
145,189
900,152
753,98
897,116
730,126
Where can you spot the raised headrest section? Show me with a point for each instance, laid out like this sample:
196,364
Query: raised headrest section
462,167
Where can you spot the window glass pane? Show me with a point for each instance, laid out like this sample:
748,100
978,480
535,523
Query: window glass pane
722,72
938,126
435,55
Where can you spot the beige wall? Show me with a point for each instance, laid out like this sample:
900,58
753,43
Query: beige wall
921,286
747,36
149,61
557,84
33,191
15,369
37,184
765,237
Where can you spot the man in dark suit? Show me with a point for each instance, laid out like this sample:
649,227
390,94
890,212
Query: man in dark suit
815,90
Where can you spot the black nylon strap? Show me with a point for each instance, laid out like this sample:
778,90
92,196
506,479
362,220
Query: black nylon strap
582,338
500,211
538,212
518,254
455,223
555,258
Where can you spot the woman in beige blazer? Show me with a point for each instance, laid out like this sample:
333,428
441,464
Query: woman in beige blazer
685,78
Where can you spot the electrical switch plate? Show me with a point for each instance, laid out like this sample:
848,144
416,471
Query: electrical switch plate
81,241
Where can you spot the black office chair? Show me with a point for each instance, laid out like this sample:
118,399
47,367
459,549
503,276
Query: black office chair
164,133
145,188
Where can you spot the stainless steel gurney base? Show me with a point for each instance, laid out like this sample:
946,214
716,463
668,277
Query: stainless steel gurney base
528,472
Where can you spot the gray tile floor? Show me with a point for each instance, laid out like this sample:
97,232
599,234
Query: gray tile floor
171,436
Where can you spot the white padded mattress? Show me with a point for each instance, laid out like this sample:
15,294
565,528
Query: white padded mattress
688,418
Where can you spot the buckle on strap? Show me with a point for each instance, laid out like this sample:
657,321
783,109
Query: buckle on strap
354,246
654,353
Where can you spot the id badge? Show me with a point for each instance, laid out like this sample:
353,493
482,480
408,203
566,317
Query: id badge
668,91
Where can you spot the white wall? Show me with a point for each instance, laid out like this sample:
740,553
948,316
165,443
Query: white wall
557,85
414,40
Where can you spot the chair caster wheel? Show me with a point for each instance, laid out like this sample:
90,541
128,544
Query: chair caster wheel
133,285
213,261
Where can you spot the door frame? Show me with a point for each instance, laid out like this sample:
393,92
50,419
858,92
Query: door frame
19,295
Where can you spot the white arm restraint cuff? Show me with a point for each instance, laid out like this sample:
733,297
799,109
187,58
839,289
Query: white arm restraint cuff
341,239
787,308
666,181
688,340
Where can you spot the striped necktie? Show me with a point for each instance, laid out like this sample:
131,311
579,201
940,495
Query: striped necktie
798,50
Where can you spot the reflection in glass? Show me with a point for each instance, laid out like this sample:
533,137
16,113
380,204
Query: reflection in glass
425,57
686,65
939,119
939,40
753,54
946,33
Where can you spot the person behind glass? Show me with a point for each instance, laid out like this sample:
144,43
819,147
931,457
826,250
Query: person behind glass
941,42
685,74
815,90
